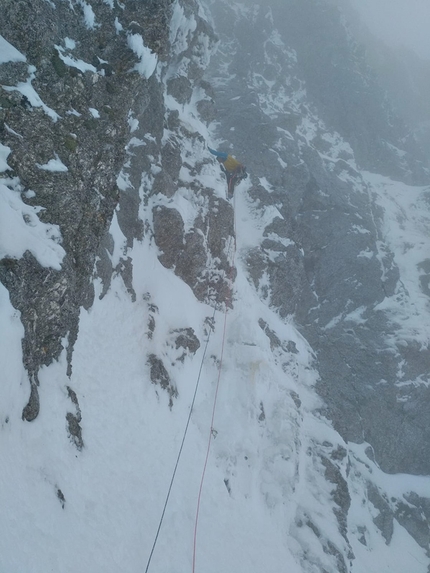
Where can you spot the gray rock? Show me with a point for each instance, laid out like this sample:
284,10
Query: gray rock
188,254
82,200
164,184
73,421
340,494
180,88
31,410
414,515
187,340
169,234
385,519
159,376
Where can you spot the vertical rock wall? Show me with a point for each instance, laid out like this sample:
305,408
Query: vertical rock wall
86,68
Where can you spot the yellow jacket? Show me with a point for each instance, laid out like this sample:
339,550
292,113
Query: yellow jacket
231,163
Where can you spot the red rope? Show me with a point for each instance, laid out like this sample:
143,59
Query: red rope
209,445
213,416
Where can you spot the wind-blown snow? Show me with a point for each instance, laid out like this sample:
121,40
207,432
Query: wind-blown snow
21,230
399,23
180,28
12,394
30,93
148,59
375,555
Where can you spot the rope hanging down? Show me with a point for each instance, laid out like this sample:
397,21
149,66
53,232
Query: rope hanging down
213,412
209,445
180,449
186,430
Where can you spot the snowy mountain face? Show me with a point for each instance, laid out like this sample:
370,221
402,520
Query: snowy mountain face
282,336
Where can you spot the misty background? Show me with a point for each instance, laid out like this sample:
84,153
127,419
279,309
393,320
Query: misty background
393,35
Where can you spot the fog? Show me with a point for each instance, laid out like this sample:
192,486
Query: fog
399,23
395,37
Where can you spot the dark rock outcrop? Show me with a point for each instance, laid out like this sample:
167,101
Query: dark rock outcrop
159,376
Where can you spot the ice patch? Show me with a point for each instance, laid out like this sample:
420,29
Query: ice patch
74,63
285,132
367,254
120,242
265,183
135,142
69,43
89,16
118,26
148,59
399,152
9,53
53,165
180,28
12,131
123,180
132,122
308,129
4,153
94,112
30,93
360,230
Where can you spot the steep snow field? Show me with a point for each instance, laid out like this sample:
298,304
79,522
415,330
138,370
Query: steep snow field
407,232
114,489
268,503
261,476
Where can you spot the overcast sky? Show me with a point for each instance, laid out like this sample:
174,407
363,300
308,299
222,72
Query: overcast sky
398,22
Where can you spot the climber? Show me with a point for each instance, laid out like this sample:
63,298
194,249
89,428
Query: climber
233,169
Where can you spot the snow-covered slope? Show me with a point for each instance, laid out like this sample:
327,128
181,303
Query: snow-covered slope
258,351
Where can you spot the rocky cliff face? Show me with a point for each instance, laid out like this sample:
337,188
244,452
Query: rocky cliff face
286,100
86,79
310,117
105,114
